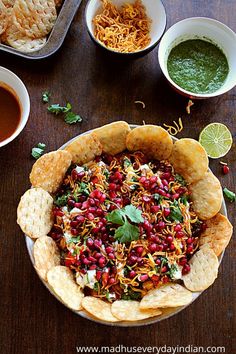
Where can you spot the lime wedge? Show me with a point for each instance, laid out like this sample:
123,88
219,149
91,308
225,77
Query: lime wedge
216,139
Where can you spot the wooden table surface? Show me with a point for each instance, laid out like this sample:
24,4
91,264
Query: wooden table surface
103,88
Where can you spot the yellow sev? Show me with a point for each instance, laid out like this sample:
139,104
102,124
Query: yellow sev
124,30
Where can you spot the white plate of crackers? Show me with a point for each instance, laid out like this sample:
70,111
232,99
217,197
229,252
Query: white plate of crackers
125,225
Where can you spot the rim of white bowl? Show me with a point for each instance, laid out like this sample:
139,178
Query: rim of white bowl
218,92
25,115
148,48
151,320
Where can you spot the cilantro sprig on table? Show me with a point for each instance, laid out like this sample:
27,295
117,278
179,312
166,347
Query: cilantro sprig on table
126,218
70,117
38,150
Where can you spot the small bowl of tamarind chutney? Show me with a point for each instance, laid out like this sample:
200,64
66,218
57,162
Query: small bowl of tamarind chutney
14,106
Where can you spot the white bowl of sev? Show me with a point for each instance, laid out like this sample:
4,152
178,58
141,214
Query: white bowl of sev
126,26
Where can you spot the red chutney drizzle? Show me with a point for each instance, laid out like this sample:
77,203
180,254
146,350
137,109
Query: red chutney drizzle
10,112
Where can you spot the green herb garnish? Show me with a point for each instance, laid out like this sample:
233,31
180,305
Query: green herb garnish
131,295
70,117
173,270
46,96
175,212
180,179
127,162
61,200
127,232
38,150
229,195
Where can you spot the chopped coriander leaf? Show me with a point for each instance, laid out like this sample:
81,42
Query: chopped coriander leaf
229,195
180,179
46,96
157,197
134,214
116,217
173,270
184,200
175,213
61,200
38,150
72,118
83,189
74,239
127,162
96,286
56,108
131,295
127,232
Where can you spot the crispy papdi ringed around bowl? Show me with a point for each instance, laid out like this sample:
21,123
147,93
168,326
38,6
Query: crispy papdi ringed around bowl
113,137
152,140
204,270
129,310
189,159
48,171
84,148
62,283
170,295
98,308
217,234
34,212
207,196
46,255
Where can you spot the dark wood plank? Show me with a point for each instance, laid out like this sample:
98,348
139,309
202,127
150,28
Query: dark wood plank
103,88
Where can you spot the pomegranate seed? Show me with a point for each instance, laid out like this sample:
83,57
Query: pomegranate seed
153,179
158,261
166,175
160,248
147,226
91,201
95,230
175,196
161,225
98,243
93,267
81,174
178,227
142,180
165,183
164,269
154,208
161,192
74,223
132,274
71,203
139,250
146,184
90,216
85,205
133,259
97,255
169,239
189,240
112,186
172,247
92,259
182,261
166,212
118,176
112,194
109,249
80,219
89,242
186,269
143,277
111,256
165,279
179,234
55,235
98,274
74,174
86,261
152,248
189,249
103,198
146,199
74,232
92,210
78,205
155,278
102,262
111,281
225,169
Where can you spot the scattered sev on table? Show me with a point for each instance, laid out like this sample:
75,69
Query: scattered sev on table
124,30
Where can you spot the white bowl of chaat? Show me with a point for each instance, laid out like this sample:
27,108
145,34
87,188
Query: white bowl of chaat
125,226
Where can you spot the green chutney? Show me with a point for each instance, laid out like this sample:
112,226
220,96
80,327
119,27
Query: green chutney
197,66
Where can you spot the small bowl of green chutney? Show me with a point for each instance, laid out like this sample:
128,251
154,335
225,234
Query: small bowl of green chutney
198,57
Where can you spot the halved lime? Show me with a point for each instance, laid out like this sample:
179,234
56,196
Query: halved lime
216,139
